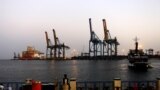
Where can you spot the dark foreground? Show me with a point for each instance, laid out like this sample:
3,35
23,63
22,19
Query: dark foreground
87,85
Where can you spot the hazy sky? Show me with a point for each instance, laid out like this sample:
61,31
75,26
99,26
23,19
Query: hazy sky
23,23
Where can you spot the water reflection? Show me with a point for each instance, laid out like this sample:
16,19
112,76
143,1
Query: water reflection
74,68
104,70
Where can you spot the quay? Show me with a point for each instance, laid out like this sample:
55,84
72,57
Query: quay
72,84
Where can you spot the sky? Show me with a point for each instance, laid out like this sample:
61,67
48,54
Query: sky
23,23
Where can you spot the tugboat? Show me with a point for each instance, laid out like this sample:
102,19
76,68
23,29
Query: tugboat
137,58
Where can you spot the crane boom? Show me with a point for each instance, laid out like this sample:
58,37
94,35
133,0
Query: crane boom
55,42
47,39
55,37
91,31
106,36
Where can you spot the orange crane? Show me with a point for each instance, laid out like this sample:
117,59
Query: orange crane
109,44
106,31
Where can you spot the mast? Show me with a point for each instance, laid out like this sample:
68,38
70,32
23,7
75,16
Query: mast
136,45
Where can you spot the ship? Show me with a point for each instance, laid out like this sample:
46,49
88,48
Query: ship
31,54
137,58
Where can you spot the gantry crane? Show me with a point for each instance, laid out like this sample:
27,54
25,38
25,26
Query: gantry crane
49,48
59,47
109,44
95,44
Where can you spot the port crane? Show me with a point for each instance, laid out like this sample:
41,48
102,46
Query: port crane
56,51
59,48
49,48
109,44
95,44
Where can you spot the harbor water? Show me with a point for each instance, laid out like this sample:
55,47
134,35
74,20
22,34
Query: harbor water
82,70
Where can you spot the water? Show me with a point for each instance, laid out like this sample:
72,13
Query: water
83,70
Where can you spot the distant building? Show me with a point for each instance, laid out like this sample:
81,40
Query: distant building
31,54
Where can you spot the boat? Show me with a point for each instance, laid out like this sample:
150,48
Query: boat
137,58
31,54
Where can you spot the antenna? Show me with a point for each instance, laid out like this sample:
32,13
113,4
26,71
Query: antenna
136,39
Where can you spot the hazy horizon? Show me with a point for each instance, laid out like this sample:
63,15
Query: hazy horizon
23,23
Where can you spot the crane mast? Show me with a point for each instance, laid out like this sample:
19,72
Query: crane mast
47,39
91,31
106,35
55,42
55,37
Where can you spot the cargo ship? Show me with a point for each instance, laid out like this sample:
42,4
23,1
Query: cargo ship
137,58
31,54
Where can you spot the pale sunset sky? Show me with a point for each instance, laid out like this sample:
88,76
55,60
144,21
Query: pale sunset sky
23,23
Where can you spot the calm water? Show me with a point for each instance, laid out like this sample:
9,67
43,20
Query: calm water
48,71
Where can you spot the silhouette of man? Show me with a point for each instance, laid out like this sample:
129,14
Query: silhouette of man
66,81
